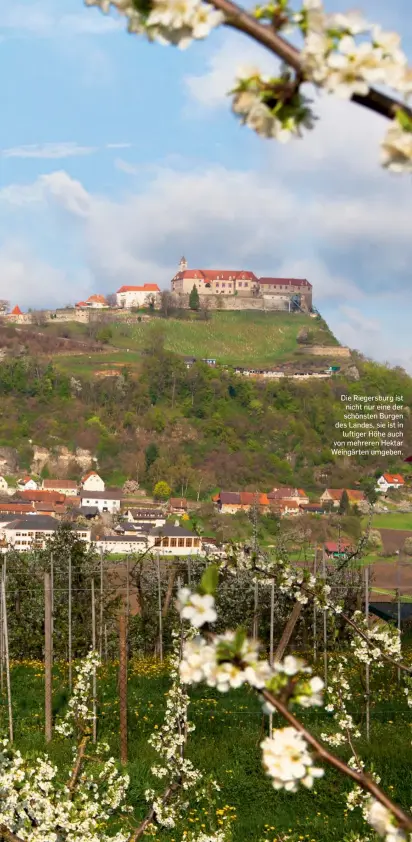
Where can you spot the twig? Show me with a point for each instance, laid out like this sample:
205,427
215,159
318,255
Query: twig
360,778
79,761
264,34
151,816
5,833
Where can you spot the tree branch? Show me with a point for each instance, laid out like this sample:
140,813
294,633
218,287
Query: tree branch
79,761
151,816
264,34
5,833
362,780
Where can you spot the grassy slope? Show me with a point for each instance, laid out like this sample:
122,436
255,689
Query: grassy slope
225,744
243,338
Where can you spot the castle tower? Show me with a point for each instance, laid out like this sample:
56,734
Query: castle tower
183,265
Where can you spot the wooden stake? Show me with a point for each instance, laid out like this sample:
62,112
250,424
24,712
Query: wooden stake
105,642
6,653
123,689
271,642
315,617
101,606
52,601
70,625
94,670
367,668
47,657
398,600
255,632
325,628
1,640
288,631
159,585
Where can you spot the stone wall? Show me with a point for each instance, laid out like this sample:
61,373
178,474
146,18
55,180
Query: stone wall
326,350
237,302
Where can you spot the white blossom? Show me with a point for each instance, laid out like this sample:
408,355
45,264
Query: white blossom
382,821
287,761
397,149
197,608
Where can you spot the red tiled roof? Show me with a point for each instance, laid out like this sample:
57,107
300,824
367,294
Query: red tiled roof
336,546
16,311
231,498
299,282
43,496
16,508
335,493
249,498
391,478
51,484
355,495
89,474
99,299
208,275
81,304
178,502
144,288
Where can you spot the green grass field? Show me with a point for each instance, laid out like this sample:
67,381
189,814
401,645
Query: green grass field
393,520
233,338
225,744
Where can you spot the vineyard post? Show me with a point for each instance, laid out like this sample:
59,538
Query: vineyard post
255,631
271,642
398,601
6,652
47,656
101,606
52,601
123,689
70,624
94,668
1,639
159,586
325,626
367,667
315,630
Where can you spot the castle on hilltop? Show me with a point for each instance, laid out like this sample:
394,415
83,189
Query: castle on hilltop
279,293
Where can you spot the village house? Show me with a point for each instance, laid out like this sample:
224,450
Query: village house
107,501
33,531
333,496
389,481
174,540
212,281
137,296
68,487
40,496
125,544
27,484
93,302
4,486
92,482
337,549
177,505
230,502
287,494
152,517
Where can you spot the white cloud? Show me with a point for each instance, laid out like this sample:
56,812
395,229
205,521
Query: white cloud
118,145
40,20
57,187
125,167
24,278
52,151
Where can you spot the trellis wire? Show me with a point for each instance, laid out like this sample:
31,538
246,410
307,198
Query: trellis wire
101,606
159,584
325,627
123,689
271,641
1,638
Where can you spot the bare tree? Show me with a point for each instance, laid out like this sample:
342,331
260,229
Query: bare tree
111,299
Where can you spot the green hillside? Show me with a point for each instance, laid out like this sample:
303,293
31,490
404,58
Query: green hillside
233,338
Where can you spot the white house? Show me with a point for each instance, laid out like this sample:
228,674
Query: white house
388,481
121,544
106,501
175,541
4,486
92,482
130,296
27,484
61,486
32,531
151,517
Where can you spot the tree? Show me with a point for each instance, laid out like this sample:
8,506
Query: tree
161,490
151,454
111,299
276,107
194,301
344,504
167,303
104,335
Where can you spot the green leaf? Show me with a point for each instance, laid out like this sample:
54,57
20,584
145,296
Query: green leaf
209,580
404,120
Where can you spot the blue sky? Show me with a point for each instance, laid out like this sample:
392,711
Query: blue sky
118,156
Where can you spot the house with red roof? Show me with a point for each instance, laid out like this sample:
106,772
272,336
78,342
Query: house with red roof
93,302
388,481
92,482
137,296
213,281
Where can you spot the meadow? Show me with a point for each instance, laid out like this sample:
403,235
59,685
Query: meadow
233,338
225,744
